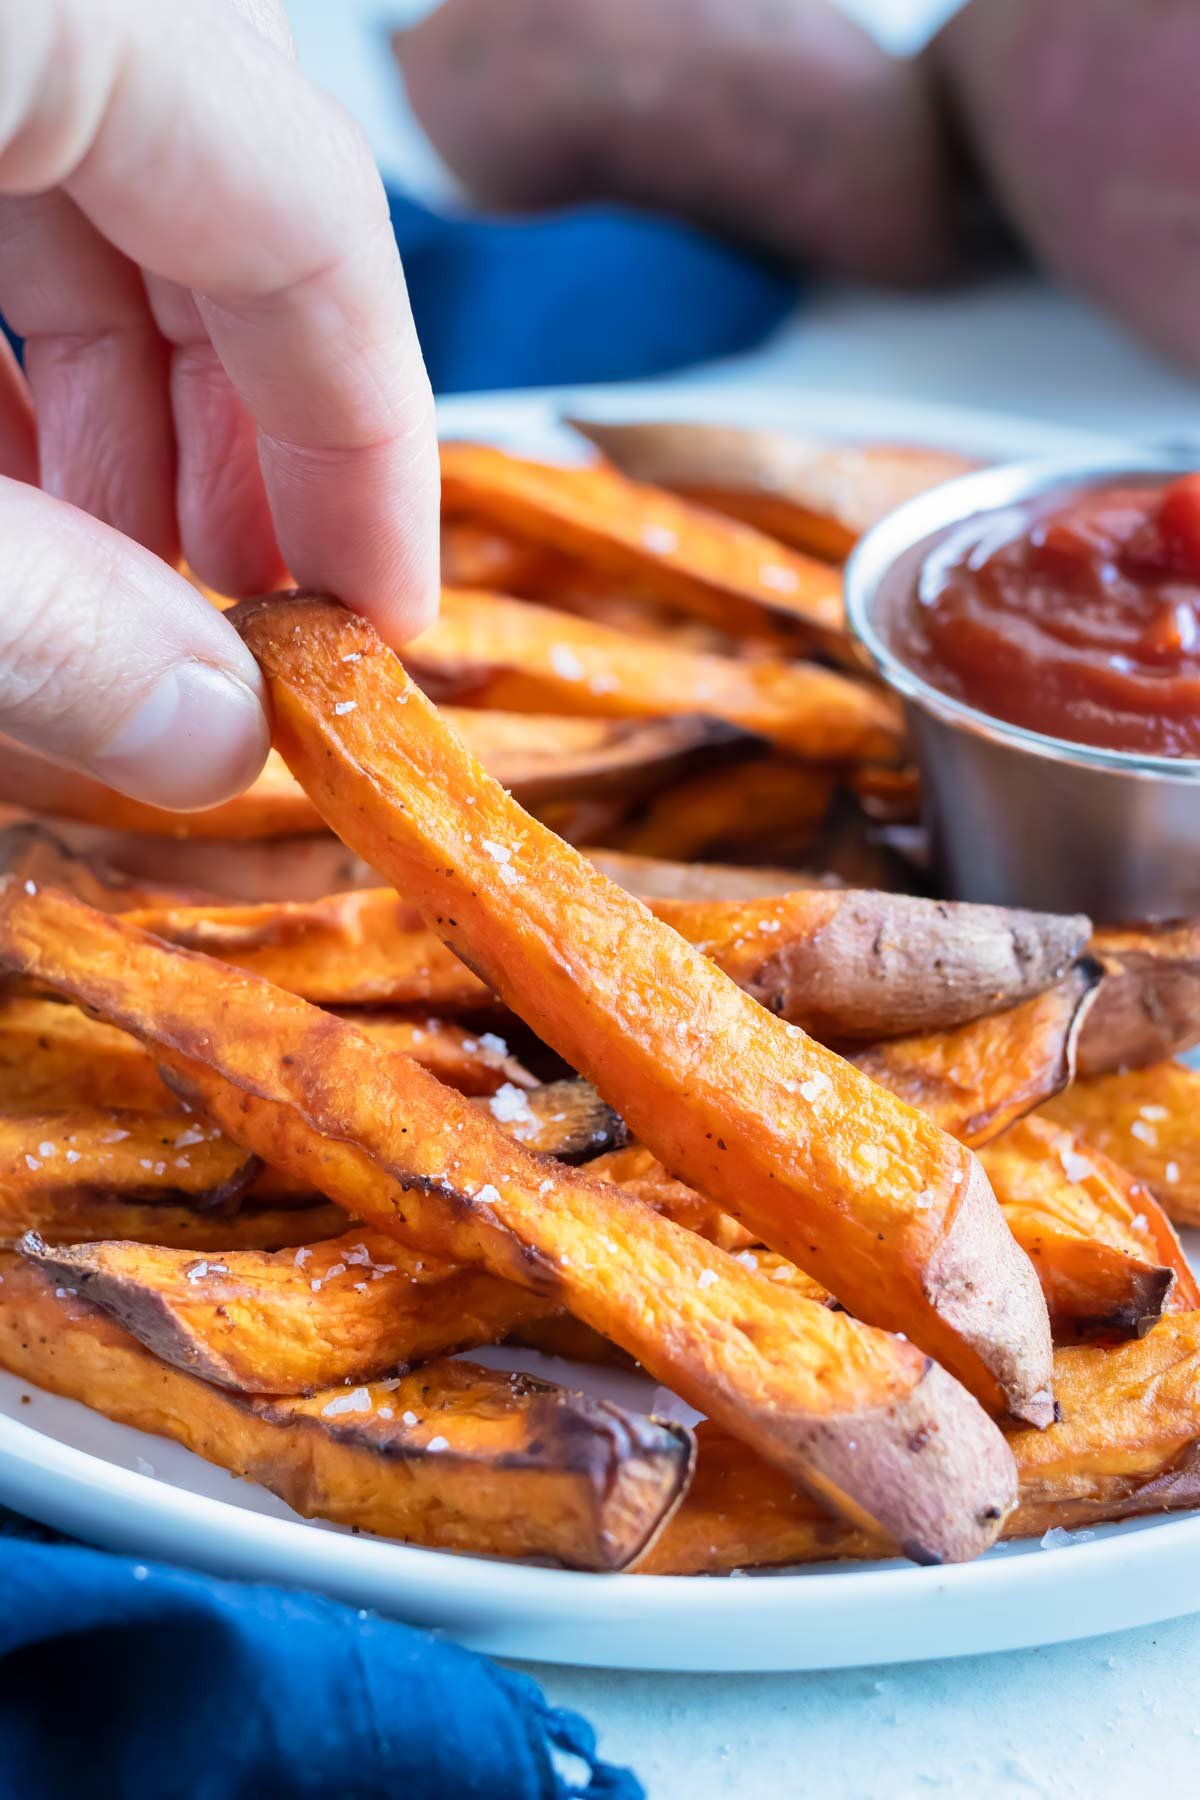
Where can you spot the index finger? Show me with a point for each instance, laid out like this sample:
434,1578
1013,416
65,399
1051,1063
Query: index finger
209,159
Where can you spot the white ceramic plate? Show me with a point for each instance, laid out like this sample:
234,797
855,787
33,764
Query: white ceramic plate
70,1468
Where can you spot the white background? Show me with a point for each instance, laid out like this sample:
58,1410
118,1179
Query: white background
1110,1716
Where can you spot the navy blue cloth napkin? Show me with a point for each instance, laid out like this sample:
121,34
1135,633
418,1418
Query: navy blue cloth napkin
131,1681
594,293
127,1680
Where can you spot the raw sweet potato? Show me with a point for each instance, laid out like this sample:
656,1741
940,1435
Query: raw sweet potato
847,964
976,1080
783,126
1148,1121
816,496
684,556
1128,1443
493,651
863,1418
453,1455
350,1309
863,1192
1105,1254
1149,1005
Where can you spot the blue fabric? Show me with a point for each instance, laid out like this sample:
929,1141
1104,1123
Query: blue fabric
130,1681
596,293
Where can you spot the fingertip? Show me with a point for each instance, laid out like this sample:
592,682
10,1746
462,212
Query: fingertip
197,737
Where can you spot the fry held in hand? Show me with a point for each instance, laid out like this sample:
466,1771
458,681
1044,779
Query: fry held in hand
862,1418
885,1210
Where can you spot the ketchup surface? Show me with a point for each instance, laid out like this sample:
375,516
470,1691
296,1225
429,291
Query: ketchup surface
1078,618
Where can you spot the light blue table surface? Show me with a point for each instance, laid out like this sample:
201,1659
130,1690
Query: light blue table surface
1115,1715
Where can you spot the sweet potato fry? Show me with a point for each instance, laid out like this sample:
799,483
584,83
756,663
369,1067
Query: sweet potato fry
850,964
453,1455
1149,1006
1105,1254
537,757
816,496
552,756
681,555
350,1309
641,1174
657,878
53,1057
864,1193
1148,1121
81,1216
976,1080
770,800
34,853
360,948
493,651
220,870
842,963
861,1417
1128,1443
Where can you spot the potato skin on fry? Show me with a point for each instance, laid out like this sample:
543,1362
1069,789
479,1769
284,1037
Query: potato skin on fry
1128,1444
820,1163
1148,1008
353,1308
453,1456
976,1080
861,1417
816,496
862,964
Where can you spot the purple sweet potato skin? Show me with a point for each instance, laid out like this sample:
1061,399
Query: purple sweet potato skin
782,123
1084,115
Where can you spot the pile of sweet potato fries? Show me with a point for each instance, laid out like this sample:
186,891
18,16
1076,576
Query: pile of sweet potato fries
602,1008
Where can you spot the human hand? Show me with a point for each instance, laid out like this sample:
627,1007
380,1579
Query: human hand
219,361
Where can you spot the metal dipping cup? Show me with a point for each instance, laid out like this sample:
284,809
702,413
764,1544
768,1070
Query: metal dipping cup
1016,817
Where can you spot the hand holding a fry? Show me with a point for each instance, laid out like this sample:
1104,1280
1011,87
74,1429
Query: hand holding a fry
220,363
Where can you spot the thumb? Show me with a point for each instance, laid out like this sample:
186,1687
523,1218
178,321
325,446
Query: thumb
113,664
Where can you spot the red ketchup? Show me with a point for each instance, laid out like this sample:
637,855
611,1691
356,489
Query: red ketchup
1078,618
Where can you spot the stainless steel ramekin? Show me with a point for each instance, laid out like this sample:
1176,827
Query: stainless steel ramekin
1016,817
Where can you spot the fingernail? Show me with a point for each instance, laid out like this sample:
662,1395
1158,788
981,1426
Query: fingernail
198,737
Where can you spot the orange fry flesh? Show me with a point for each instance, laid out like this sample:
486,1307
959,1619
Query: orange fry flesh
848,1409
681,555
492,651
